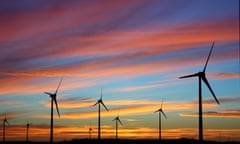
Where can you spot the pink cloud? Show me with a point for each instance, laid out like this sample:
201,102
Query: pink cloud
224,75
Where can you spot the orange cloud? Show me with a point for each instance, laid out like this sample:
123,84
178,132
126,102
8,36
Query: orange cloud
41,133
127,107
10,115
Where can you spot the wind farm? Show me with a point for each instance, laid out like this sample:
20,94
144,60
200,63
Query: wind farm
95,71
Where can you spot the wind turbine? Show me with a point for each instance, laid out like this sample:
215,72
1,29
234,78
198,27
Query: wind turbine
90,130
53,97
4,126
27,125
201,76
99,102
117,119
160,111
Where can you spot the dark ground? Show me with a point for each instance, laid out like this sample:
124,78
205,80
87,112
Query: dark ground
122,141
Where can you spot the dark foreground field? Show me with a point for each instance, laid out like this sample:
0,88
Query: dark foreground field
112,141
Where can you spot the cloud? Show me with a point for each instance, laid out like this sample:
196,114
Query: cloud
225,75
130,57
75,102
91,43
12,102
10,115
223,99
151,85
222,114
90,71
41,133
126,107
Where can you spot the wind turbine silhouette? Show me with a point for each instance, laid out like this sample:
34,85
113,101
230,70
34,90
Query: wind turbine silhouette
117,119
99,102
4,126
53,97
90,130
27,125
202,76
159,121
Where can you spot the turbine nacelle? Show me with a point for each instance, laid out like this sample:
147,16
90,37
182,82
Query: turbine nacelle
117,119
202,76
90,129
5,121
161,111
53,97
28,124
100,101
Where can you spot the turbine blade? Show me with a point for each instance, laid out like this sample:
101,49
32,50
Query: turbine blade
114,119
209,87
157,111
187,76
164,114
104,106
120,122
48,93
55,101
204,69
58,85
7,122
101,94
95,104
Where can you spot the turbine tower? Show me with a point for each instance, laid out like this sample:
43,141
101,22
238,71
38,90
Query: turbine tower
99,102
27,125
160,111
4,126
53,97
117,119
201,76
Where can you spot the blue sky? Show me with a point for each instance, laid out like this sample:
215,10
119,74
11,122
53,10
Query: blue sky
135,51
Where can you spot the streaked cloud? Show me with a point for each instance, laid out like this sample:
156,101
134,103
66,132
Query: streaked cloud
225,75
222,114
223,99
75,102
10,102
128,107
129,46
10,115
40,133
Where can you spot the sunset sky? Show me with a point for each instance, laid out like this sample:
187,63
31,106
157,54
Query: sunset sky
135,50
